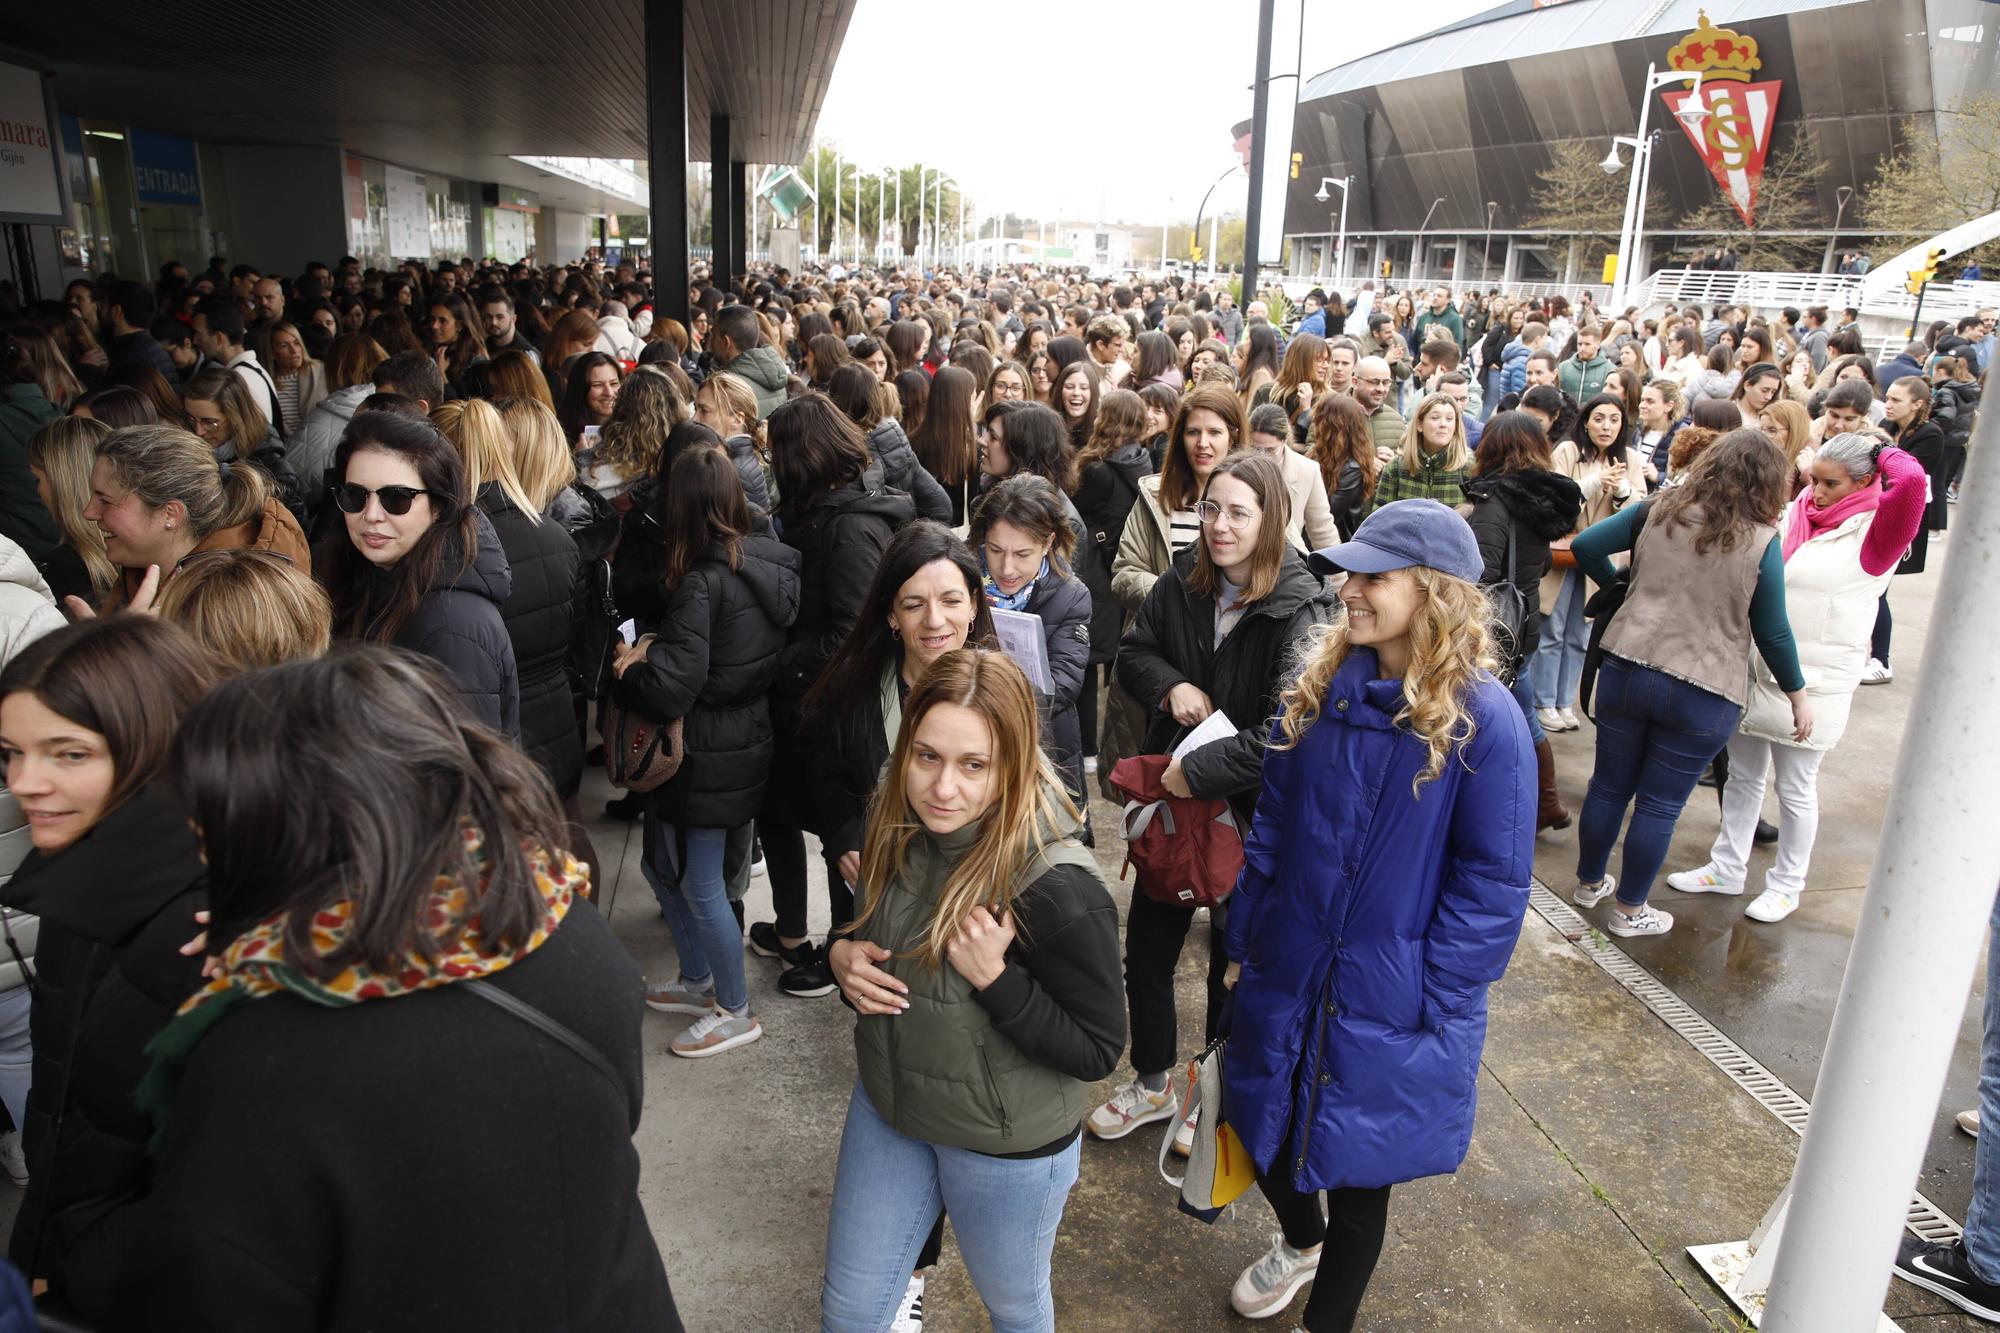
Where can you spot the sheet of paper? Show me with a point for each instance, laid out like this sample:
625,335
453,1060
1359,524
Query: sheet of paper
629,631
1020,634
1215,727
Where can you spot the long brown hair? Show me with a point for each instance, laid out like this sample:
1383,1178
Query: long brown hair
1736,486
1266,480
944,440
1300,367
1121,420
1029,801
1177,480
129,678
1340,436
703,505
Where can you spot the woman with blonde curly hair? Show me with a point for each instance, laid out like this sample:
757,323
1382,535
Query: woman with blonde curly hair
628,447
1383,885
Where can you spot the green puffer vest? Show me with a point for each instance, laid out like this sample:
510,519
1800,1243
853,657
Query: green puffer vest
939,1071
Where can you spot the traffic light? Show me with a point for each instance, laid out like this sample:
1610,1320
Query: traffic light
1297,159
1919,276
1194,252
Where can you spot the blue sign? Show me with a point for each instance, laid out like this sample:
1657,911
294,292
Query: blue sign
164,169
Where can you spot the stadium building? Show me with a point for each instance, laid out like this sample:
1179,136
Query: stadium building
1440,139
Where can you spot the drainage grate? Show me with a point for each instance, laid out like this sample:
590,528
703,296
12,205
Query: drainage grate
1925,1218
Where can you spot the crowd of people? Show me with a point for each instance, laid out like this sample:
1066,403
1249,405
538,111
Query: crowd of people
320,592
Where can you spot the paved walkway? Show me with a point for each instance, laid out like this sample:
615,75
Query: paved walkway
1604,1145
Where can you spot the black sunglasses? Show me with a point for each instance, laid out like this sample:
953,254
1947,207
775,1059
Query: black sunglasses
353,497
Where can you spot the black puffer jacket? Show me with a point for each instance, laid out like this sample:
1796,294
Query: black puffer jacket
840,536
1064,604
541,615
115,909
1173,640
269,457
711,662
1105,495
892,451
742,451
458,623
1539,506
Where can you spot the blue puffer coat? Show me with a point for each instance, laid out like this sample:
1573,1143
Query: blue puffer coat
1513,368
1369,925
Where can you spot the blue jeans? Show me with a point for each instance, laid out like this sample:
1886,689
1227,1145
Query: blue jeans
1655,737
886,1195
1557,664
1524,695
697,910
1982,1219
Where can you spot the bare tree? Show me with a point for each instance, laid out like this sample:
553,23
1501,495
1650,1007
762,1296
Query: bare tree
1787,200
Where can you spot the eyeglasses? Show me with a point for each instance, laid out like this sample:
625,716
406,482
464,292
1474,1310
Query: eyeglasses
1372,379
353,498
1213,515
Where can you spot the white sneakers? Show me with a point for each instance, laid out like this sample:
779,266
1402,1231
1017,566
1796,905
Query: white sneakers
1772,906
1132,1106
1648,920
1268,1285
1877,673
910,1314
1569,720
1551,719
1703,880
1588,895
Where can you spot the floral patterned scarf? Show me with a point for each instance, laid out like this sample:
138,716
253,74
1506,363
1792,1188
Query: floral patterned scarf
254,965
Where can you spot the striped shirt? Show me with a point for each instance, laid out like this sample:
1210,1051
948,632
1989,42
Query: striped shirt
1182,528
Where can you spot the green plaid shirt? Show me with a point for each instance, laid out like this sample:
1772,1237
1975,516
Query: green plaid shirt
1431,483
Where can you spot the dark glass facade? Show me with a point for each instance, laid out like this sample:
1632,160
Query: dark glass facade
1424,130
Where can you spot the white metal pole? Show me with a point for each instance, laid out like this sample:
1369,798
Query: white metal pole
1214,230
1340,249
899,216
816,216
837,169
881,213
1632,189
857,214
1638,227
1923,923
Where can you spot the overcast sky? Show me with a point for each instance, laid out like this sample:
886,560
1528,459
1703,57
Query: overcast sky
1005,97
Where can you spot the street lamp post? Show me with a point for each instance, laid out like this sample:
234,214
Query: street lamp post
1692,113
1339,264
1418,252
1840,196
837,170
857,212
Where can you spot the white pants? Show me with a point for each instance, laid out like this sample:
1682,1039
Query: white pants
1750,759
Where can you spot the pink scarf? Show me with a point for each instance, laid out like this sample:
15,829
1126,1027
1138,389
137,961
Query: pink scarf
1809,520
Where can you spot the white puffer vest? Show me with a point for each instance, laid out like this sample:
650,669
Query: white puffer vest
1831,602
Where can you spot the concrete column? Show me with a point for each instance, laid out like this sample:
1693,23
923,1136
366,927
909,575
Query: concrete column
739,214
723,187
666,151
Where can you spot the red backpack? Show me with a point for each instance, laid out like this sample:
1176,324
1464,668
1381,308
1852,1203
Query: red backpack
1188,851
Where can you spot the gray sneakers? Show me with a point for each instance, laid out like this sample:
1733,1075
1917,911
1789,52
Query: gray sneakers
716,1032
1268,1285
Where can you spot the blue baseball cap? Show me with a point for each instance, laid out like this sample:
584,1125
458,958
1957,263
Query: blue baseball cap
1405,533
